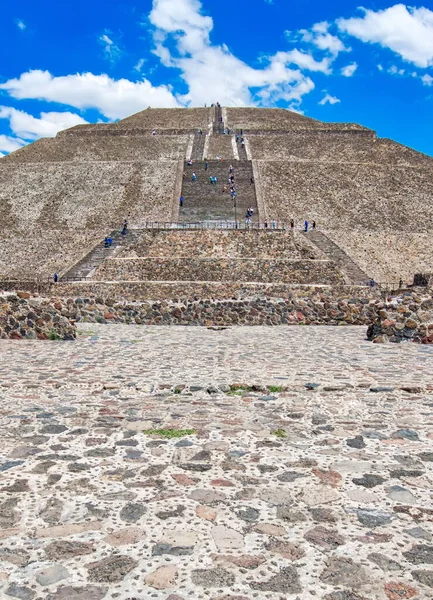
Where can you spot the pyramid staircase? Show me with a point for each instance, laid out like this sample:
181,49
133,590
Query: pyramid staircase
85,267
343,261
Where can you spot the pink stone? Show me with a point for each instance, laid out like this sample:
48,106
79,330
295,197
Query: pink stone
205,512
162,578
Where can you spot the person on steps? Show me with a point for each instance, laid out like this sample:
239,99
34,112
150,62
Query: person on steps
194,176
305,226
181,201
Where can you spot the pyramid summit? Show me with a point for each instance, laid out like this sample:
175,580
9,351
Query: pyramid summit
369,197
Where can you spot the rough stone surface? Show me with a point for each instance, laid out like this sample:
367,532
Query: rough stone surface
116,386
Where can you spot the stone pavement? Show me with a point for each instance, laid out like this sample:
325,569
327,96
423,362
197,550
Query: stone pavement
186,463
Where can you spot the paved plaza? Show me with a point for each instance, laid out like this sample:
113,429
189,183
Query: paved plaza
176,463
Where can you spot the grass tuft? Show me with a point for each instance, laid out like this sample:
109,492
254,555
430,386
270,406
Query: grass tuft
279,433
170,433
275,389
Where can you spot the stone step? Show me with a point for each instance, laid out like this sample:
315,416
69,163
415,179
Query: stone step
339,256
93,259
206,202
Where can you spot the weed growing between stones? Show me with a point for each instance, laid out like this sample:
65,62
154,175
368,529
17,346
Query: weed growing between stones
274,389
170,433
279,433
53,336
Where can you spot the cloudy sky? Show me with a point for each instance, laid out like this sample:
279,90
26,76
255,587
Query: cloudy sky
103,61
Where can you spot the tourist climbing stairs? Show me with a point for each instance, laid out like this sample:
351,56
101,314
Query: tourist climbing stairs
204,201
88,264
333,252
241,150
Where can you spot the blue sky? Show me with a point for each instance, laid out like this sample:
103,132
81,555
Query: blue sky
66,63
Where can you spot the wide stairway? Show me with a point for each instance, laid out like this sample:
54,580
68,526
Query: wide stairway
343,261
204,201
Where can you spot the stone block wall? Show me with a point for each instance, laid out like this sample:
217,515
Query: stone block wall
218,244
24,317
408,317
213,269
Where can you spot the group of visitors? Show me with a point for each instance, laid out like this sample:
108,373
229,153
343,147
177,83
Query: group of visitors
306,225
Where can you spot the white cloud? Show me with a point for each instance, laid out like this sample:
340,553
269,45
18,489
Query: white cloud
139,65
405,30
20,24
212,72
113,98
349,70
427,80
393,70
28,127
9,144
328,99
305,61
320,37
112,51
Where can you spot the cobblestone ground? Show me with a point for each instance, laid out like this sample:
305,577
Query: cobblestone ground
316,483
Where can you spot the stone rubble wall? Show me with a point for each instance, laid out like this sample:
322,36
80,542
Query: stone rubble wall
214,269
408,317
26,317
320,309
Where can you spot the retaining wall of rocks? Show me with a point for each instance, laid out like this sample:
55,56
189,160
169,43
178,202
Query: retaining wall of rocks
26,317
319,309
408,317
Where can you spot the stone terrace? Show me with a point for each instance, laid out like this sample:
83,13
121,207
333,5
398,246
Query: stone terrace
64,203
337,195
387,256
76,149
318,487
278,119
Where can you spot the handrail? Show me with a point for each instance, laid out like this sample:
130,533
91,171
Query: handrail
269,225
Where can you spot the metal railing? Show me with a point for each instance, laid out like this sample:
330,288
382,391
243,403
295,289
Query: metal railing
269,225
